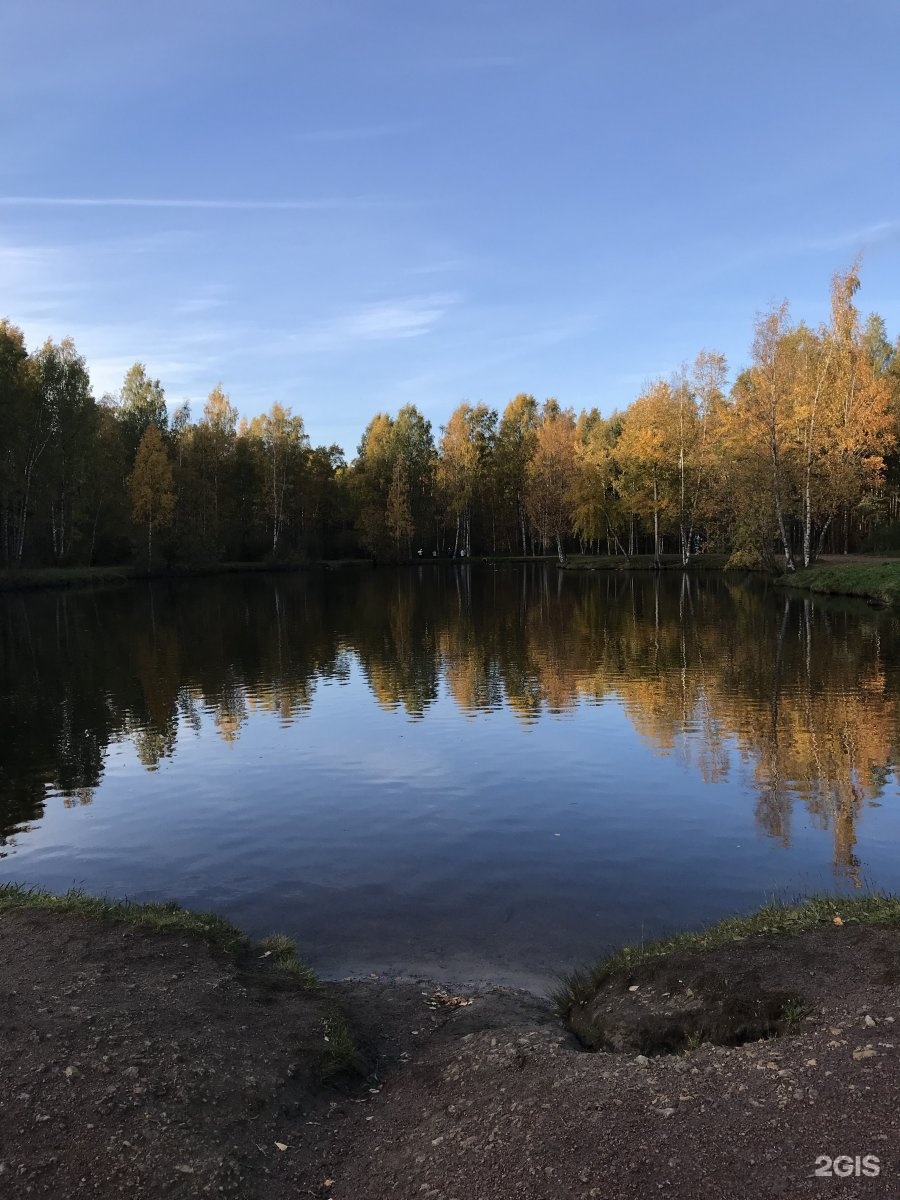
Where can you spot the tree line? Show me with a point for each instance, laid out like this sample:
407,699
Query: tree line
797,455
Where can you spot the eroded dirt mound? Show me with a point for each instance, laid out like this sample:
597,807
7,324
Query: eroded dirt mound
754,988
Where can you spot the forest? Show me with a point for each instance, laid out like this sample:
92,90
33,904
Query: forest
797,455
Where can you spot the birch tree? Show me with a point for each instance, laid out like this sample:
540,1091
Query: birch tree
151,485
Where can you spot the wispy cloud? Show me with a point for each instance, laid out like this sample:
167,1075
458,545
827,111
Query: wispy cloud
855,239
209,299
388,320
186,202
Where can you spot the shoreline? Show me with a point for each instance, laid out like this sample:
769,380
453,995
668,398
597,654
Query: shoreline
151,1051
876,580
22,579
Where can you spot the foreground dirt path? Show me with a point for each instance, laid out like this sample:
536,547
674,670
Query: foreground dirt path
135,1065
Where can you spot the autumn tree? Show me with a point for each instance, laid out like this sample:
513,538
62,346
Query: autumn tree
284,446
386,439
701,399
142,402
647,457
550,475
597,509
372,476
466,447
762,428
211,446
398,513
515,444
856,428
151,485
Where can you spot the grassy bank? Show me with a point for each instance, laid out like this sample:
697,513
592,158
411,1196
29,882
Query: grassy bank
169,918
26,578
643,562
878,581
772,919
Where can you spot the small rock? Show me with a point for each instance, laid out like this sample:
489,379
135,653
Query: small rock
665,1112
71,1072
869,1021
866,1052
835,1031
132,1073
642,1060
633,988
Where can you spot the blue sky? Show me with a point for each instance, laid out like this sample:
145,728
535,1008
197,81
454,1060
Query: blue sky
349,205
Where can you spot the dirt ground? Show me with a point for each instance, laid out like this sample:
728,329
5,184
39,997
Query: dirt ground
138,1065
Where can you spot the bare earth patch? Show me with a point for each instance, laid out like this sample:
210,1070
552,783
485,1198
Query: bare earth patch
135,1064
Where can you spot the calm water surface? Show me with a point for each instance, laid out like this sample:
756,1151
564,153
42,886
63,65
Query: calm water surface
470,772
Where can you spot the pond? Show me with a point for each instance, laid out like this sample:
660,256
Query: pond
468,772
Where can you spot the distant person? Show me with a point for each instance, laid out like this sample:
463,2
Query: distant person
419,553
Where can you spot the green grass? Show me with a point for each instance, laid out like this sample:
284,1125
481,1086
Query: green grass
777,917
341,1055
643,562
283,952
167,917
872,581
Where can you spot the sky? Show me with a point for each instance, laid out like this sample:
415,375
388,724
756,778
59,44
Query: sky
349,205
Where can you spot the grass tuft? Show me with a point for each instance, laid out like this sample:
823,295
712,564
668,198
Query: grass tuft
283,950
776,917
341,1054
166,917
